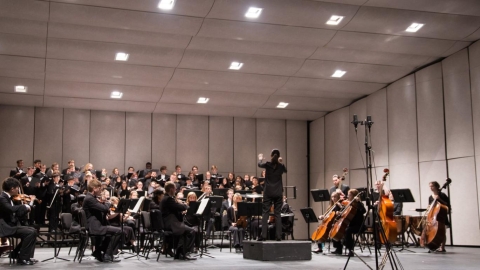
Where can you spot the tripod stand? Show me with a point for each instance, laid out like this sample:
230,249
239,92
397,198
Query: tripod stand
204,209
55,233
378,230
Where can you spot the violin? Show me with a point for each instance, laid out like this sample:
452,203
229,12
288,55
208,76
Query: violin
23,198
385,212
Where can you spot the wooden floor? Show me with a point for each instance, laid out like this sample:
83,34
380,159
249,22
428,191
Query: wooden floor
455,258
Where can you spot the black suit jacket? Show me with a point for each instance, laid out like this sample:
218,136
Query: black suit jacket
273,179
170,206
30,190
344,189
9,215
95,212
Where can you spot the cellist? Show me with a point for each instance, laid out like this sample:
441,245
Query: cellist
334,198
443,199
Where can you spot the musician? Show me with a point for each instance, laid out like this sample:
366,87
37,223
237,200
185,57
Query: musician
210,217
247,182
272,193
180,176
36,164
54,168
192,220
54,199
75,210
157,198
172,215
31,186
9,215
123,191
116,219
238,184
354,226
336,186
382,190
231,179
334,199
238,231
256,188
144,173
225,183
189,181
209,180
87,168
443,199
163,174
115,173
96,210
71,168
17,172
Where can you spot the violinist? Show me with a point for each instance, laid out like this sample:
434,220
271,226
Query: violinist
443,199
334,200
355,224
157,198
9,214
115,219
233,218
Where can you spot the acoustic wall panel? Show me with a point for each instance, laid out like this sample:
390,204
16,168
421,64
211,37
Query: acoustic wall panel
271,135
220,143
357,139
458,106
474,60
107,140
138,141
377,109
431,125
16,136
164,140
48,135
192,142
462,171
430,171
317,163
244,147
337,126
76,137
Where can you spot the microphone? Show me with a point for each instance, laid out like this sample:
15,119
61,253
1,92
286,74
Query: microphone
355,121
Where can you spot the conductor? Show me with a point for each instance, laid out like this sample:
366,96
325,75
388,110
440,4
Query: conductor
272,192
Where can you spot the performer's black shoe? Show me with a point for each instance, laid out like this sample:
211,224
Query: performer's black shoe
108,259
33,260
25,262
261,239
279,239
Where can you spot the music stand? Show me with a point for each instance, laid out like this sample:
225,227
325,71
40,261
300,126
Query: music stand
196,191
401,196
250,209
320,195
310,217
203,211
221,192
363,196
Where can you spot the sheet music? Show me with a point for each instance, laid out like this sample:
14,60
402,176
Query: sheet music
137,206
202,206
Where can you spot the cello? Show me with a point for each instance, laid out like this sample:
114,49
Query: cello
434,231
385,212
345,216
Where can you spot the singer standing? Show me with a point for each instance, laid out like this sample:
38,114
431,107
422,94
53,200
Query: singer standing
272,192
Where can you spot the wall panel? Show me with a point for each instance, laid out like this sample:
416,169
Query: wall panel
192,142
377,109
48,135
220,143
337,126
76,137
357,139
244,146
430,171
317,163
164,140
271,134
107,140
138,137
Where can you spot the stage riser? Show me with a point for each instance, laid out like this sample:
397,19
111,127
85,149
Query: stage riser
277,250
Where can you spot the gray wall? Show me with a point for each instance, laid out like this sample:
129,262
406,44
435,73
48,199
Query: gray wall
426,128
118,139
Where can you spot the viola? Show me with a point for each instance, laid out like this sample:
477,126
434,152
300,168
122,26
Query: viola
385,212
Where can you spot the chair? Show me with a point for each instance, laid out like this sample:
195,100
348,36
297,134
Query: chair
228,233
288,230
84,236
66,225
12,242
147,228
158,232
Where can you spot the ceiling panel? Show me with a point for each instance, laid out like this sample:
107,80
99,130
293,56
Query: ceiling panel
265,32
474,36
220,87
195,8
35,87
395,22
251,47
181,96
284,12
22,63
309,86
348,2
465,7
124,19
459,45
110,73
355,72
98,104
21,100
24,9
390,44
258,64
204,109
114,35
288,114
21,45
307,103
101,91
23,27
369,57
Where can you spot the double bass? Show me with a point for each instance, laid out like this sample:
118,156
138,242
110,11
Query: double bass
385,212
345,216
434,231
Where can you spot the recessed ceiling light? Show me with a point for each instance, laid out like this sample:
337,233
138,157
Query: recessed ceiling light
414,27
166,4
121,56
338,73
253,12
282,105
203,100
20,89
236,65
335,20
116,94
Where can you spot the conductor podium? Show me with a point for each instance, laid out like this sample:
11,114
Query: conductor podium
287,250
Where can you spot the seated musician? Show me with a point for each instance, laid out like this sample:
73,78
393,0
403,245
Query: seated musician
443,199
256,188
172,215
354,226
9,223
334,199
192,220
225,205
157,199
115,219
210,219
96,210
237,230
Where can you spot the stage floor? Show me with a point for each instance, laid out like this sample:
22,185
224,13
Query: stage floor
454,258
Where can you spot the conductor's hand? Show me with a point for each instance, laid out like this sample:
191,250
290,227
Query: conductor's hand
280,159
260,156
